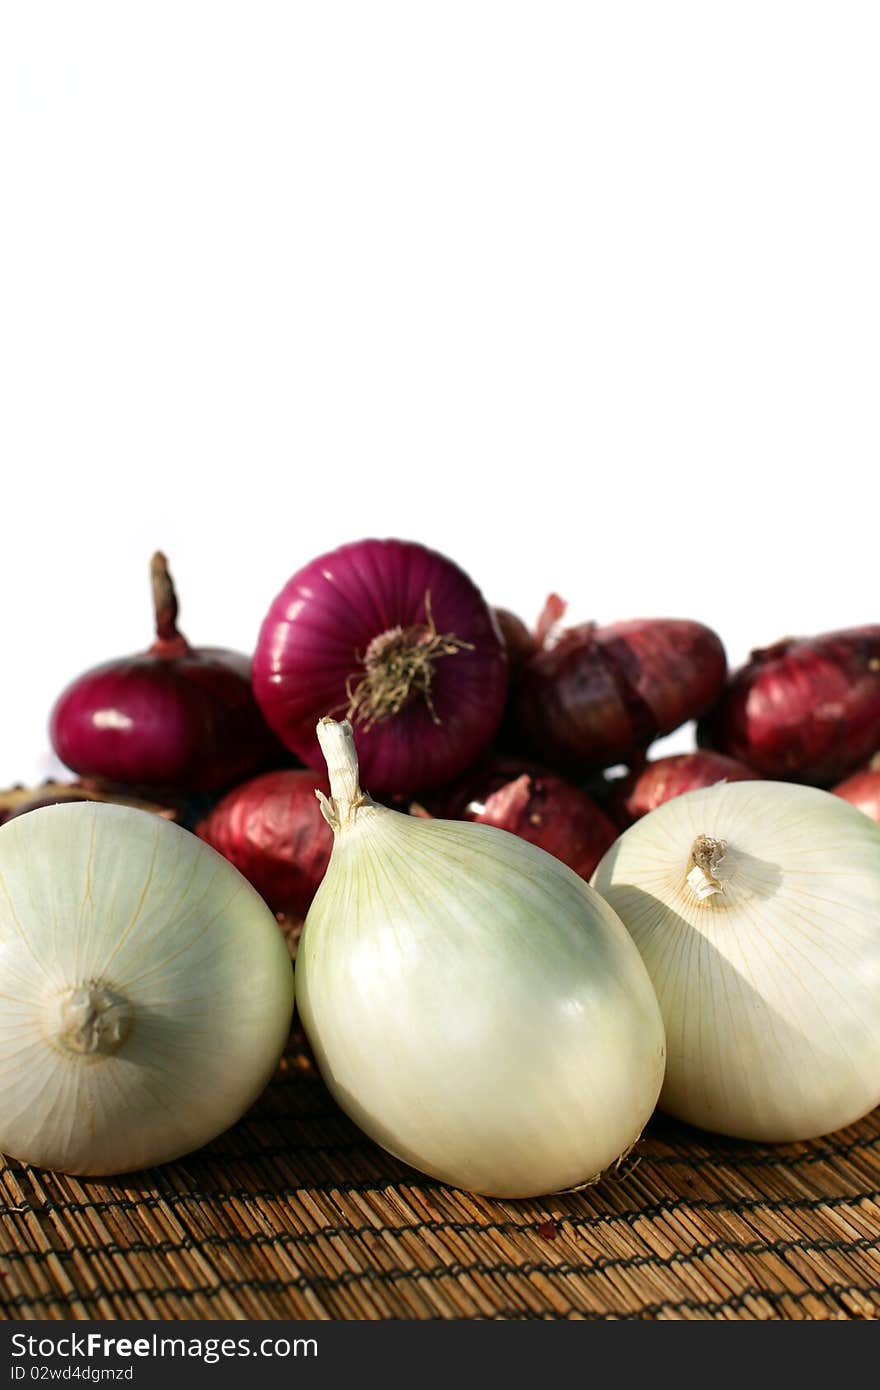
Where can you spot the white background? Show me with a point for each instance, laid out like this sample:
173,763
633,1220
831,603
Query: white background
587,296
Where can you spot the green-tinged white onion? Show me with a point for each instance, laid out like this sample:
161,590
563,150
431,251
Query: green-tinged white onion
145,990
472,1004
756,907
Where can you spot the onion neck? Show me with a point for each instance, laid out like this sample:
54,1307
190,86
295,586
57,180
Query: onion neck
707,855
346,798
88,1021
169,642
399,665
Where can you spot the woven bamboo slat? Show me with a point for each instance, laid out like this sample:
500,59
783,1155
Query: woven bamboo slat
295,1214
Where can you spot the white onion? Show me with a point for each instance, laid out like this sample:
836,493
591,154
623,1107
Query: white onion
146,990
756,908
472,1004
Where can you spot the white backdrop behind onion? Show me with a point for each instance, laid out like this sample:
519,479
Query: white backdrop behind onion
585,297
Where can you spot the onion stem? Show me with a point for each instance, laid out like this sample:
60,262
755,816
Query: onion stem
707,855
89,1019
169,641
346,797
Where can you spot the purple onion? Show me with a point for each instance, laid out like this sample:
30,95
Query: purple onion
399,640
271,828
175,716
594,696
518,641
804,710
642,791
533,803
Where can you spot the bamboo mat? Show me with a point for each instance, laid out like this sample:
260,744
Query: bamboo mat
295,1214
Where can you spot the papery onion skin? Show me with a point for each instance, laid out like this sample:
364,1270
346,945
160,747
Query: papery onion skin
271,828
770,985
634,796
536,805
321,629
174,717
473,1005
109,913
804,710
863,789
549,627
601,695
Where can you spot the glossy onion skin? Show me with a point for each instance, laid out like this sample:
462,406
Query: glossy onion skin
314,637
804,710
189,722
769,989
534,804
862,790
97,893
601,695
515,1051
634,796
271,828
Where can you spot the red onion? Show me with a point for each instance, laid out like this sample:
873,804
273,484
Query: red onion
397,639
634,796
175,716
271,828
803,710
534,804
518,641
863,789
595,696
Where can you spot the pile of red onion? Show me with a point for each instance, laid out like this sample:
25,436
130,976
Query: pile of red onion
460,710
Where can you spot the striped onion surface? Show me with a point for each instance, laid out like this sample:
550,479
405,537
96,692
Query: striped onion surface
756,909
